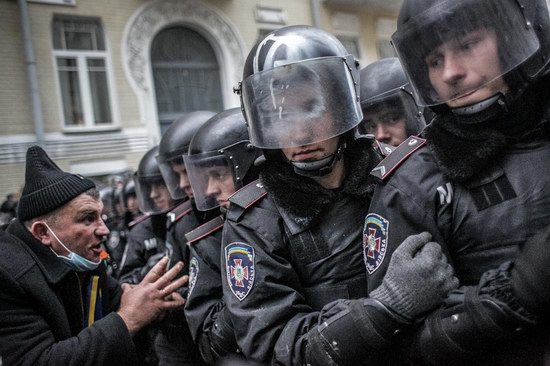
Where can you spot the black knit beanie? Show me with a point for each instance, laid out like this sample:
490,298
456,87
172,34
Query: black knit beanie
47,187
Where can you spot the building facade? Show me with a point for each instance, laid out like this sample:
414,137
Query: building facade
96,82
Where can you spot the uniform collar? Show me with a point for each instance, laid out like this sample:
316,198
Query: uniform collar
301,200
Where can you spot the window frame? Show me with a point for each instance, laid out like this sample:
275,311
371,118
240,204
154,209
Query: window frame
82,57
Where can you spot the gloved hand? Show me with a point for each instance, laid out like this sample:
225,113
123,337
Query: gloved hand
418,278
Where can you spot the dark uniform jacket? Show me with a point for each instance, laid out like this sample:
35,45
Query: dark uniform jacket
146,238
41,310
290,249
204,299
174,344
481,192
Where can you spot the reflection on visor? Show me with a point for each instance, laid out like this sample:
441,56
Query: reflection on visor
301,103
171,170
450,25
211,178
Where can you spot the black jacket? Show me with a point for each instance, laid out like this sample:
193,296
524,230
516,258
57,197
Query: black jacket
147,237
482,191
204,300
41,314
291,249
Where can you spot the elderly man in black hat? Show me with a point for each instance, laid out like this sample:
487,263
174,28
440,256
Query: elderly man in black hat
57,305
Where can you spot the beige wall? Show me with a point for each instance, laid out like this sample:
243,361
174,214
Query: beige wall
15,105
15,111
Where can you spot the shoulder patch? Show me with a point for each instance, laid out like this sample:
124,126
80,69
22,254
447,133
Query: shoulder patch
138,219
193,274
387,166
178,212
204,230
239,263
375,241
249,194
383,148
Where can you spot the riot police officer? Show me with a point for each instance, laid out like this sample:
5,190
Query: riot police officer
220,161
147,237
174,344
478,181
292,240
390,112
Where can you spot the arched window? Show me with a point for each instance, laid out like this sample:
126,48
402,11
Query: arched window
186,74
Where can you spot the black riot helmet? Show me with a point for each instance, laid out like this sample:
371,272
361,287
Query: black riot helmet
174,144
300,86
221,159
106,194
386,93
521,30
152,193
128,190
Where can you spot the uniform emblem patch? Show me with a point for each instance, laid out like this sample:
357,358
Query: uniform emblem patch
193,273
375,241
240,268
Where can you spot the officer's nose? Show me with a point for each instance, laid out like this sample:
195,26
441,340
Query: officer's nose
382,134
154,192
212,190
453,68
184,181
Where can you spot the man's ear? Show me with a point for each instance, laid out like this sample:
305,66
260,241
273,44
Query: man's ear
40,231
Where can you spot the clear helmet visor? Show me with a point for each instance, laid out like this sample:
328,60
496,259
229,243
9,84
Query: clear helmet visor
393,108
211,178
457,51
300,103
170,170
153,195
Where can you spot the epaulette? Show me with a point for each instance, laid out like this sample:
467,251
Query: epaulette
204,230
137,220
383,148
178,212
391,162
249,194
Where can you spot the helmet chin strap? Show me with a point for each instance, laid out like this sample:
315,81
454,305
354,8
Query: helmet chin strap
321,167
481,111
494,105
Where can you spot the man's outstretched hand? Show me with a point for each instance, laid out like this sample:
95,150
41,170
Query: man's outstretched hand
152,297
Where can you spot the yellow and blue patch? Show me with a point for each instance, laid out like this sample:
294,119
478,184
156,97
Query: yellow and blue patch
240,268
375,241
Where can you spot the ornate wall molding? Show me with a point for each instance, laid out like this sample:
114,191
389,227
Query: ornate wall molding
156,15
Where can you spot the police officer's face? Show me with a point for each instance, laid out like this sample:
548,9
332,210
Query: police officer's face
312,152
80,227
132,203
160,196
387,125
466,70
220,184
184,183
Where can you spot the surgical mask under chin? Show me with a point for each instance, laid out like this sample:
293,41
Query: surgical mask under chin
73,260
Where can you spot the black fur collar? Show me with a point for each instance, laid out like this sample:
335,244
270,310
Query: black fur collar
462,150
304,198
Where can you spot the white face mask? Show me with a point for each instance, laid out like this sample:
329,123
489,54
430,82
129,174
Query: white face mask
73,260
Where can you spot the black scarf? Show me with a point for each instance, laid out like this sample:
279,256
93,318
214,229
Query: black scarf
462,150
304,198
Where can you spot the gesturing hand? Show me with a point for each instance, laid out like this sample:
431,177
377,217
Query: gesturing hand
154,295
